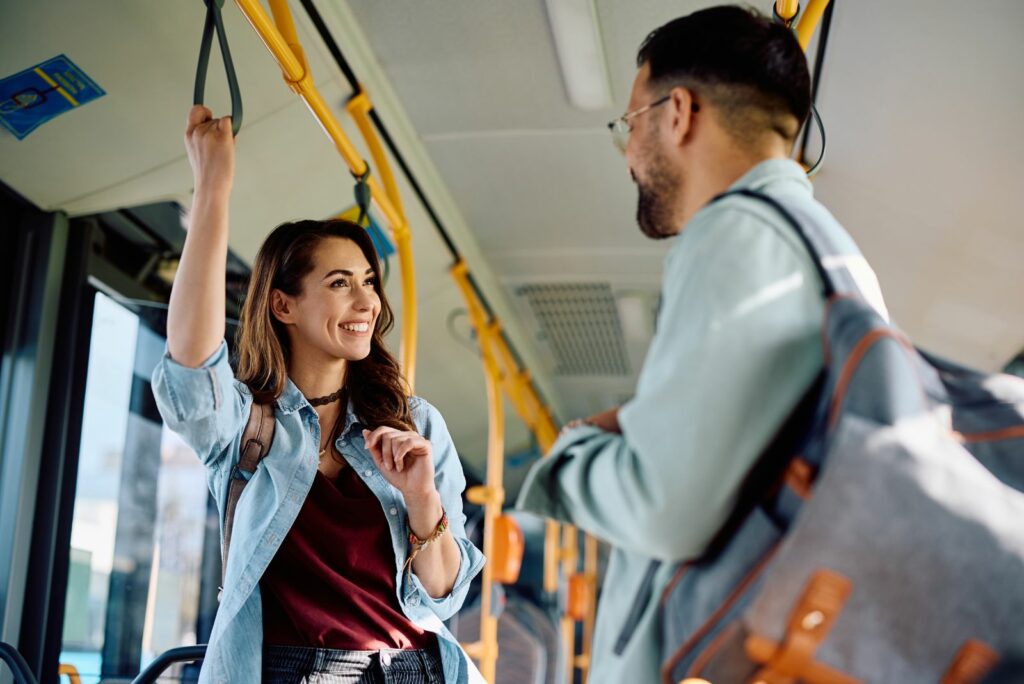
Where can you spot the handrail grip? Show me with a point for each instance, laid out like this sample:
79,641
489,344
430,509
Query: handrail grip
70,671
16,661
214,22
181,654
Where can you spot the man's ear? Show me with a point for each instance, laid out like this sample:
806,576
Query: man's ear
282,307
683,106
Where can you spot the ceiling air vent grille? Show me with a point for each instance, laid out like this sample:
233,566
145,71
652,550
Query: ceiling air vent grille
580,323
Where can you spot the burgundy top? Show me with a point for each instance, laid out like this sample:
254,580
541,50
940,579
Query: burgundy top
332,582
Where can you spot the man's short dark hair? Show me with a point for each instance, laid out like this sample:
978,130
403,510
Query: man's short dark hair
747,65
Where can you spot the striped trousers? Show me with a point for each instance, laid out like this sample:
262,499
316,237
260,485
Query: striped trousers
302,665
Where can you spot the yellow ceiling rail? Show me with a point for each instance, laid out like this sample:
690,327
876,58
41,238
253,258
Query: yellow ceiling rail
358,107
279,35
809,21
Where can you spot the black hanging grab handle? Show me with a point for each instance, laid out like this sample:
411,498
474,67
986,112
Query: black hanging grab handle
182,654
215,21
16,662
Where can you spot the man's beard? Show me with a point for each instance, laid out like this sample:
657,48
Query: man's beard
654,201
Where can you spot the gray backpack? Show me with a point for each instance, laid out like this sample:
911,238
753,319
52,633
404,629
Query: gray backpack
880,537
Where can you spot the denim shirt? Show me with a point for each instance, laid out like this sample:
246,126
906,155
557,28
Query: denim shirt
208,407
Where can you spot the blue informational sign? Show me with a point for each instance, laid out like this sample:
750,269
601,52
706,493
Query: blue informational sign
380,239
32,97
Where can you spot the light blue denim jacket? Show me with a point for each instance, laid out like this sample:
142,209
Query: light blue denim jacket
208,407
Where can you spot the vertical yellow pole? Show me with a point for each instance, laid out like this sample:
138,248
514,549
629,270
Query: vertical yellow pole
590,568
570,553
359,109
495,466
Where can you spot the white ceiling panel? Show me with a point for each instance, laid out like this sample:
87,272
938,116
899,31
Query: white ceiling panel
472,65
541,191
922,109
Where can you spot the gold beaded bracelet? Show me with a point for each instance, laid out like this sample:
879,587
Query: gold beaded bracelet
420,544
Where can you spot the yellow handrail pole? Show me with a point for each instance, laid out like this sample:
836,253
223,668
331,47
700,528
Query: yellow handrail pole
551,534
359,109
492,496
495,466
545,430
286,26
280,38
410,322
499,360
300,80
787,9
569,555
70,671
590,569
809,21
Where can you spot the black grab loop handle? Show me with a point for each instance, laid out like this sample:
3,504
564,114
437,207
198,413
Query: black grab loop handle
16,662
215,21
181,654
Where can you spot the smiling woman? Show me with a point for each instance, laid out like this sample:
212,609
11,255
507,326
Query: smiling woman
302,315
352,524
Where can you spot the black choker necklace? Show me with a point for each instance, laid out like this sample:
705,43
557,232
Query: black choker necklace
329,399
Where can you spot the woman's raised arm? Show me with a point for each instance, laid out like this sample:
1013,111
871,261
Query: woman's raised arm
195,320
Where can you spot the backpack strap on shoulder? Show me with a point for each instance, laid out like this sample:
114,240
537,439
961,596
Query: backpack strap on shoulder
817,254
255,444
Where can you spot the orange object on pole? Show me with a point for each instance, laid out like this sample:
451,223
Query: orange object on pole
507,554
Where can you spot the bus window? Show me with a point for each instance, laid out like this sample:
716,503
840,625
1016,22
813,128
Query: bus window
140,514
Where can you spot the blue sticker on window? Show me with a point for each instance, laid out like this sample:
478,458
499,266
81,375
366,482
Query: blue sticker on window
32,97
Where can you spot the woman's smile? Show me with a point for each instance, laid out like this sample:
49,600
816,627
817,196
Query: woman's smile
357,329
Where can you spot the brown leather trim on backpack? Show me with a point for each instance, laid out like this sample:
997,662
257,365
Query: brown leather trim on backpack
684,650
676,578
1015,432
809,624
856,356
973,661
701,661
256,440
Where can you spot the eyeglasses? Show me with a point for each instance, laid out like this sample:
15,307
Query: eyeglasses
623,126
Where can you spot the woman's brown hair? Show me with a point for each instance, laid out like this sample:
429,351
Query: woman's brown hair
375,385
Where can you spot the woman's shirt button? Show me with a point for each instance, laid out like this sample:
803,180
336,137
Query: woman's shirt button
367,472
393,511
